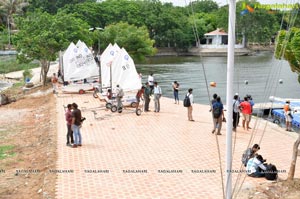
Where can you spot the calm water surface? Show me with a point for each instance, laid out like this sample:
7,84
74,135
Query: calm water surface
262,72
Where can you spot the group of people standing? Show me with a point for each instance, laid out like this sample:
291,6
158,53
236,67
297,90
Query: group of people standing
238,106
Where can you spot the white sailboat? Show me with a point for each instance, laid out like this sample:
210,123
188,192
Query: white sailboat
78,64
123,72
107,58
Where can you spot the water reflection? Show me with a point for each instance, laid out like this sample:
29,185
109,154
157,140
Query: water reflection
262,72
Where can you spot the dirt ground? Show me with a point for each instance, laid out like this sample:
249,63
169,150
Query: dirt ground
28,126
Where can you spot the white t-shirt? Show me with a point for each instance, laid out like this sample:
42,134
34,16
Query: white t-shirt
151,80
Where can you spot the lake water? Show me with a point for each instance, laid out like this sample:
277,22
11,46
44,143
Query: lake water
262,72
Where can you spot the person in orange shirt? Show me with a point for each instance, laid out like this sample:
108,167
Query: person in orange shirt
288,116
246,110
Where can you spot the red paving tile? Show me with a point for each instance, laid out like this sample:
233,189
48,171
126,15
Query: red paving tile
155,142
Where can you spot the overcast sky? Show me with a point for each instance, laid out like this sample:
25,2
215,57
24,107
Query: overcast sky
224,2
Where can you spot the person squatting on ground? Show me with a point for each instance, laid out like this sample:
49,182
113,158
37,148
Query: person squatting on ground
246,110
157,96
76,125
147,95
139,96
190,107
151,81
288,116
236,112
175,91
218,115
54,81
120,94
68,116
256,167
250,153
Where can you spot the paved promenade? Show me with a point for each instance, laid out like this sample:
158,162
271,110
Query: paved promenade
156,155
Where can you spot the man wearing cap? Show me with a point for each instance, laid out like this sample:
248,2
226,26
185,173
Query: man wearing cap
288,116
236,111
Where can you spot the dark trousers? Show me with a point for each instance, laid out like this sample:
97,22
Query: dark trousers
70,135
236,119
147,101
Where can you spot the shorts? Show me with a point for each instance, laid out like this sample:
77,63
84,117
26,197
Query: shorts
288,118
246,117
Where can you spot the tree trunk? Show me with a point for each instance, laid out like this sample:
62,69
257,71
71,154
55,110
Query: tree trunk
44,70
294,159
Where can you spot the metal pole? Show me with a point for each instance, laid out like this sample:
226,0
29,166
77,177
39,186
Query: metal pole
229,97
99,59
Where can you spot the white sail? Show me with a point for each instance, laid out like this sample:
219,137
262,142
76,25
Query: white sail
124,72
79,63
107,58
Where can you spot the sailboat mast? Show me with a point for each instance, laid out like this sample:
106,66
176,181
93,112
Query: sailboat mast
229,96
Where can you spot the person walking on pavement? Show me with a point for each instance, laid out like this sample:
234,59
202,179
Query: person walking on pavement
147,95
157,96
218,114
54,81
68,116
76,125
190,108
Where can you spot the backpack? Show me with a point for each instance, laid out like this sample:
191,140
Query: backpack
217,111
187,101
271,173
246,156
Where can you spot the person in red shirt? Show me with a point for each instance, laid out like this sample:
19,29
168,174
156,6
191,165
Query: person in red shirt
246,111
139,96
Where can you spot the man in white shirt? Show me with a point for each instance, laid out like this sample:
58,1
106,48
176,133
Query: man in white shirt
255,167
236,111
151,81
157,94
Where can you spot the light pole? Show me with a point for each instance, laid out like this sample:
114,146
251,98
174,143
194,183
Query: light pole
98,56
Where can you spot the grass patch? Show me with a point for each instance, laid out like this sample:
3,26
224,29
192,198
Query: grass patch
10,64
6,151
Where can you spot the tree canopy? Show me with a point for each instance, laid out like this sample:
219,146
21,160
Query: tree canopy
42,36
288,48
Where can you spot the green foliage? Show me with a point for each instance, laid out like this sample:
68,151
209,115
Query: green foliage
52,6
6,151
288,48
43,35
205,6
135,40
10,65
27,74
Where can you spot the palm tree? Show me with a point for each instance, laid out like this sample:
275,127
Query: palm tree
7,9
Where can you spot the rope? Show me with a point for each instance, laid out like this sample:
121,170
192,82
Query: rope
266,86
208,93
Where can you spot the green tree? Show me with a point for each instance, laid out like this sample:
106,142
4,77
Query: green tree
288,48
135,40
206,6
257,26
7,9
43,35
52,6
